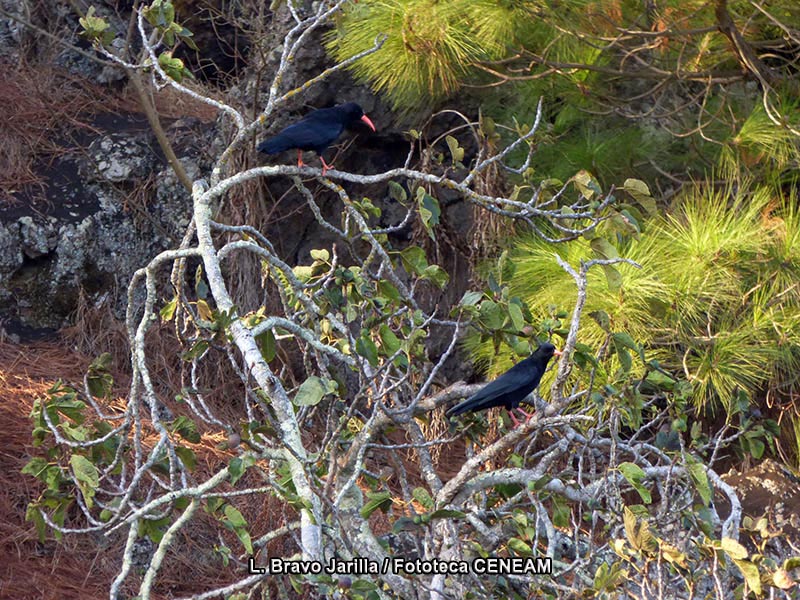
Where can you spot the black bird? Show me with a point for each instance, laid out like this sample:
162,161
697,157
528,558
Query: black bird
318,130
511,387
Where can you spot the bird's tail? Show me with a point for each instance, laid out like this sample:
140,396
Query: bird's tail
459,408
274,145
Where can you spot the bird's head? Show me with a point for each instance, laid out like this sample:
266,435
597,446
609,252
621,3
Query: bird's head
547,351
353,112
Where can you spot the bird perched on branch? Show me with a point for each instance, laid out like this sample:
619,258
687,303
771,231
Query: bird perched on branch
512,387
316,131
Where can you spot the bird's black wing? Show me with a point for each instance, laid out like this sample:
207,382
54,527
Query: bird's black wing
309,134
507,390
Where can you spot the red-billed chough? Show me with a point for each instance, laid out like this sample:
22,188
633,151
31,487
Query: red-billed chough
512,387
316,131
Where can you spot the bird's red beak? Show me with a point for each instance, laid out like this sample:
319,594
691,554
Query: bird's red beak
366,120
558,353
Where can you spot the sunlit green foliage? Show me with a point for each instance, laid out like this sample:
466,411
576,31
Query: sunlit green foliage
429,46
761,143
630,87
716,299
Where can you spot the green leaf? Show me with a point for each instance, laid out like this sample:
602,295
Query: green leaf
173,67
405,524
350,313
196,350
414,260
98,378
455,150
635,475
388,290
791,563
622,339
67,406
539,484
486,125
519,546
613,277
267,345
602,319
313,390
96,28
367,348
422,496
167,312
160,13
389,341
78,434
623,225
186,428
517,319
87,476
756,447
733,548
751,576
321,255
34,515
235,521
626,340
586,184
700,478
561,512
397,192
514,196
632,472
641,193
603,248
236,469
624,358
233,518
186,37
437,275
429,210
445,513
471,298
36,467
303,272
660,380
377,500
101,363
491,315
53,478
368,209
187,456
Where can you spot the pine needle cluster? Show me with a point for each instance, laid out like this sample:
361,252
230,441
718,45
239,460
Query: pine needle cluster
716,300
430,44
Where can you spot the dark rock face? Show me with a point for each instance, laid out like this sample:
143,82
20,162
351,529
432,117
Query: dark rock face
770,490
117,158
100,222
111,202
770,498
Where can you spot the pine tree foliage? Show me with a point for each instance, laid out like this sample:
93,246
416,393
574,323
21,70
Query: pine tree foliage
712,80
430,44
716,299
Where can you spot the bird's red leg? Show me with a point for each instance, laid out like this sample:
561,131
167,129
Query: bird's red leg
325,166
528,416
300,159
